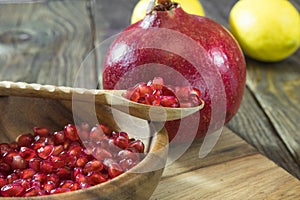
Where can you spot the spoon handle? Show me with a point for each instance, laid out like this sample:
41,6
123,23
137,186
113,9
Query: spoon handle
22,89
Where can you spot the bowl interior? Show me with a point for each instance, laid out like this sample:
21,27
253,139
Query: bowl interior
20,114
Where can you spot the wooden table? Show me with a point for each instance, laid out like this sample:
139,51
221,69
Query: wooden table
46,43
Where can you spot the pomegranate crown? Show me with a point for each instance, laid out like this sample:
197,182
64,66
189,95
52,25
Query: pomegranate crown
165,5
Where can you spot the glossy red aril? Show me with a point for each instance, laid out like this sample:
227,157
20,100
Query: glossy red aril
41,131
94,178
184,50
71,132
25,140
51,163
45,152
27,153
12,190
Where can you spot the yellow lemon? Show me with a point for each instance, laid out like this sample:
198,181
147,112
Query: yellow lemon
189,6
267,30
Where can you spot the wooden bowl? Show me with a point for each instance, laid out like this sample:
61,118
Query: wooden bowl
20,114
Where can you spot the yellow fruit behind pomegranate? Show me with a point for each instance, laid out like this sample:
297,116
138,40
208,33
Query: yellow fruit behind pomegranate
267,30
190,6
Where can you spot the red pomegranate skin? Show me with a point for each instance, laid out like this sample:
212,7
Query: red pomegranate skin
127,64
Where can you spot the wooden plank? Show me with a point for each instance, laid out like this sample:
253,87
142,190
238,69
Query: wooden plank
276,88
44,42
253,125
228,147
250,177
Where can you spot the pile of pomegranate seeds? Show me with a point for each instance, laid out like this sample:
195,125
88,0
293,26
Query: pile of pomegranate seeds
47,163
155,93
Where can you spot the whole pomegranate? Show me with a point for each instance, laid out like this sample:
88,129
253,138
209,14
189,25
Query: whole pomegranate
183,49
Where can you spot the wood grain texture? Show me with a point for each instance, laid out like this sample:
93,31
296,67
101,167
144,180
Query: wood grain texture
258,178
276,88
233,170
44,42
254,126
228,147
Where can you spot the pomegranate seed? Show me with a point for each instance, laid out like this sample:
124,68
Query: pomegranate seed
75,186
84,126
84,185
3,181
127,164
75,151
8,156
39,177
80,178
158,82
24,183
169,101
66,184
54,178
132,94
182,93
45,152
57,162
101,154
27,173
71,132
59,190
63,173
41,131
32,191
36,145
138,145
48,186
145,89
34,164
4,148
195,91
152,99
195,100
25,140
106,130
46,166
82,161
27,153
114,170
59,137
67,144
126,154
121,142
97,134
93,166
14,145
68,160
57,150
35,183
5,168
12,177
94,178
76,171
18,162
12,190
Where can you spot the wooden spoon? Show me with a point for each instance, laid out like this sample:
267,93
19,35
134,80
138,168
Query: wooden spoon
111,98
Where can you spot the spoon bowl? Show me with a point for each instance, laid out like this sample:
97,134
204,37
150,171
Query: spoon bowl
111,98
